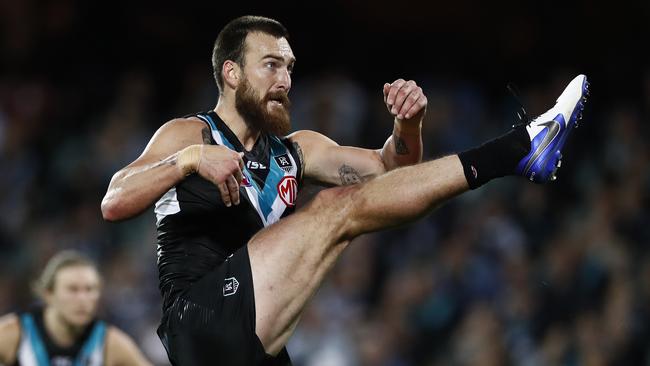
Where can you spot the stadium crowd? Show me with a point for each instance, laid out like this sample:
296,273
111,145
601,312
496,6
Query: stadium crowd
511,274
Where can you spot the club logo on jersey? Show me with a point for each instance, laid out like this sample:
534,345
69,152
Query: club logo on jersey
253,165
245,182
230,286
288,189
284,162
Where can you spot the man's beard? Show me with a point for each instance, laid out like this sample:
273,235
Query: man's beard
255,112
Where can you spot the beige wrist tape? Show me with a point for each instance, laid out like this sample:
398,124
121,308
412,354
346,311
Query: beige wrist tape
189,159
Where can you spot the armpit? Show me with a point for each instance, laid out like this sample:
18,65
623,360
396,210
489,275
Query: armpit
206,135
299,151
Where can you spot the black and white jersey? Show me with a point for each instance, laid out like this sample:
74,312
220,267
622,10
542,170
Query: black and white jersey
197,232
37,349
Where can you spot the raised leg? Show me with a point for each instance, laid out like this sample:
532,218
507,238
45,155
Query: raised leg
290,258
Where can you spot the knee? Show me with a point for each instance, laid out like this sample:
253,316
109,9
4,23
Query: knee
333,199
338,206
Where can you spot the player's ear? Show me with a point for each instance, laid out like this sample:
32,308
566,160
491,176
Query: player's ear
231,73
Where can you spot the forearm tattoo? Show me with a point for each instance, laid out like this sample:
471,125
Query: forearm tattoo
349,175
400,146
207,136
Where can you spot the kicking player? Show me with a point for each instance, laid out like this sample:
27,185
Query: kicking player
236,272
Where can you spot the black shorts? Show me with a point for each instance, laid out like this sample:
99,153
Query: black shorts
213,322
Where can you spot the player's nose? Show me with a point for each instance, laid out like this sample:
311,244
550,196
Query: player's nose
284,80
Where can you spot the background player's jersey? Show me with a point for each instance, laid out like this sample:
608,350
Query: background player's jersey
37,349
197,232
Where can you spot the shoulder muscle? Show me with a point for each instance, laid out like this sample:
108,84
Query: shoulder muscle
121,350
9,338
174,136
310,145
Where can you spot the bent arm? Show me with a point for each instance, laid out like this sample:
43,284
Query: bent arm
404,146
9,338
136,187
325,161
405,101
121,350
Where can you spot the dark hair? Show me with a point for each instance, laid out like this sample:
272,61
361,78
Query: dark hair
231,41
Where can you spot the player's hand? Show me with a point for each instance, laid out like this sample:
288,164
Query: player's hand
223,167
405,101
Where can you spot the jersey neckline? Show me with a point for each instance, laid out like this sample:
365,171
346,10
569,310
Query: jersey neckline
232,138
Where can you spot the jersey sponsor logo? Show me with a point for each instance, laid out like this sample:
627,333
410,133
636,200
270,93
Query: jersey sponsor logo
288,189
254,165
284,162
230,286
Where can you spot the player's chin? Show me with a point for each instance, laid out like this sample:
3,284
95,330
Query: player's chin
80,319
278,122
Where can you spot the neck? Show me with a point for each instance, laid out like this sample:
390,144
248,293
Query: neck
229,115
62,333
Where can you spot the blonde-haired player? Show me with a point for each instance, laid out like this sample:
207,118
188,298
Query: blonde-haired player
65,331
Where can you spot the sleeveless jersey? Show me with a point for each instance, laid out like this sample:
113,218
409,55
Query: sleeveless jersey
197,232
37,349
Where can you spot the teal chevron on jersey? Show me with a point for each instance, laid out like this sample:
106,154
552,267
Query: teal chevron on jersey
35,348
92,351
263,193
31,351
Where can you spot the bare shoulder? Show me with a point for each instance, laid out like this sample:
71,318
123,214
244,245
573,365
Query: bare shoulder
9,338
308,137
175,135
121,350
116,337
183,128
310,144
187,122
9,322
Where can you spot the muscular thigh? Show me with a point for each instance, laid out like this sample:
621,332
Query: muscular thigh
290,259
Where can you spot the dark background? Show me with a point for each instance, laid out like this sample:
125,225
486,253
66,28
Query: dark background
87,44
511,274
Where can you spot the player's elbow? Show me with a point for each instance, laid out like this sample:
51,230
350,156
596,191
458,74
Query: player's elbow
112,209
